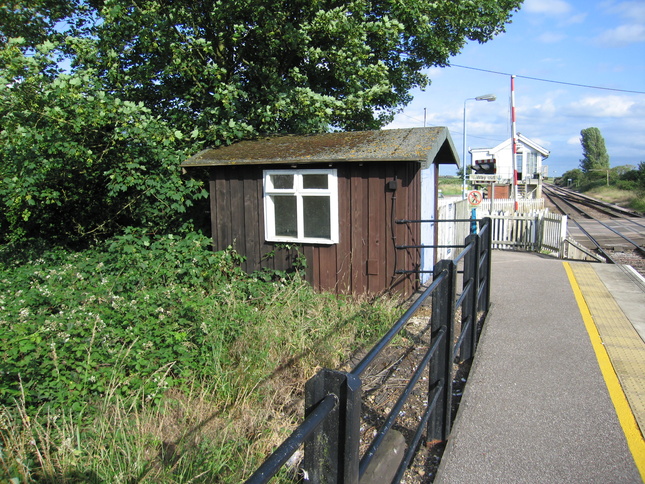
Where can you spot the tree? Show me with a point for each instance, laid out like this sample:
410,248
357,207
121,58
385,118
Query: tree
233,69
571,178
101,99
78,163
594,153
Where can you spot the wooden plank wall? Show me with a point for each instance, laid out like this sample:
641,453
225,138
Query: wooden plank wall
364,261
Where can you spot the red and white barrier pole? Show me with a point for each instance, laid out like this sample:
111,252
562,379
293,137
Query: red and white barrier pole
514,144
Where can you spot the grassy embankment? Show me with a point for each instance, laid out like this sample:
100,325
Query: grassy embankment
450,186
151,359
633,199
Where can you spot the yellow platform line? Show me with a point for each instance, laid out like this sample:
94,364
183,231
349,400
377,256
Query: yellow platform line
593,298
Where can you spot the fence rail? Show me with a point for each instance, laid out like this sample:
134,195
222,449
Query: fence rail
530,227
331,429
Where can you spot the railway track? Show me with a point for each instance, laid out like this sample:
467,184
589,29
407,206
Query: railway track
616,233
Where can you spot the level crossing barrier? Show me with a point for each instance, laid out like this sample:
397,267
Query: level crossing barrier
330,431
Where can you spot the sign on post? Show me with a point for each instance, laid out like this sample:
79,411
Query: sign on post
475,197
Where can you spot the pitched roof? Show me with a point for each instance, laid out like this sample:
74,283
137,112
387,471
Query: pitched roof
432,145
520,139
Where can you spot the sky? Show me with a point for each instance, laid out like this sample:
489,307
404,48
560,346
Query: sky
582,42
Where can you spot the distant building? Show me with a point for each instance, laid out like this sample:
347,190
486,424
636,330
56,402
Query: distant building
495,166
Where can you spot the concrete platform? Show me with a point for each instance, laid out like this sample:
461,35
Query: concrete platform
557,386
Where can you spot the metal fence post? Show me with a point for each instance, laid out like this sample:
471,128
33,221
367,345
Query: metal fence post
485,251
443,312
469,305
332,452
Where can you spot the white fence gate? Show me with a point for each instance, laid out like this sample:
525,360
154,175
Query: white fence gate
531,227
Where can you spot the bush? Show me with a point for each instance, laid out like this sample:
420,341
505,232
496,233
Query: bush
72,322
112,352
79,164
626,184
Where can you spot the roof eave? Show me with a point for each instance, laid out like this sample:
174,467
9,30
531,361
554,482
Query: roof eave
443,152
294,161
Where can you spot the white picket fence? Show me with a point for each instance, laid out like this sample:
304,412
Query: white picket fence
532,227
535,231
507,205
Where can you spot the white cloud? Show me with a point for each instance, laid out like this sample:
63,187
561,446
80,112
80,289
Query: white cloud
547,108
623,35
631,31
601,107
547,7
635,11
554,9
574,141
551,37
577,19
542,142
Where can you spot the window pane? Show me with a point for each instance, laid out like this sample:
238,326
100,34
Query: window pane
316,214
285,216
282,181
315,181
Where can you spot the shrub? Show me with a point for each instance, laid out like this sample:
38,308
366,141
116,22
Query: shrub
116,359
72,322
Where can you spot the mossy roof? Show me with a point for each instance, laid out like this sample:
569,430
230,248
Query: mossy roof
426,145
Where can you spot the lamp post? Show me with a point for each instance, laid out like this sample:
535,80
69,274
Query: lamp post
485,97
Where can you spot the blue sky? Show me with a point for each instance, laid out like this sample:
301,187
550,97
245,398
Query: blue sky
592,43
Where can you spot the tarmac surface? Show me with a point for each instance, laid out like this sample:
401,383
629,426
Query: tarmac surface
556,393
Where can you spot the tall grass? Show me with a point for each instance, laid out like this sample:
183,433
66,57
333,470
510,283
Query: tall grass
634,199
258,347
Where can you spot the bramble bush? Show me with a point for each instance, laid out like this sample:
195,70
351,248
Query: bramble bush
73,322
78,163
103,352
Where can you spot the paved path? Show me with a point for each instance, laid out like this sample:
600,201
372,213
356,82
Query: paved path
538,407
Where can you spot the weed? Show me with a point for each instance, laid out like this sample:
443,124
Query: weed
153,359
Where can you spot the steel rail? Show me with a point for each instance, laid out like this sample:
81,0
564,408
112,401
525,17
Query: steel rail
389,336
587,234
608,208
437,339
282,454
557,193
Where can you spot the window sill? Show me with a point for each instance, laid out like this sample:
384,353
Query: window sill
310,241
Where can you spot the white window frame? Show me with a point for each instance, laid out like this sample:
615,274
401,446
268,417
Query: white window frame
298,191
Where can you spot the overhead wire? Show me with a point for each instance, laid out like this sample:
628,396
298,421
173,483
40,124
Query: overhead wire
549,80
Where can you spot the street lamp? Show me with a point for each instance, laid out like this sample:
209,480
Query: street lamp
485,97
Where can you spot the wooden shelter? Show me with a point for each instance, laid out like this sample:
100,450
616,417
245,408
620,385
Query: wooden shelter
333,199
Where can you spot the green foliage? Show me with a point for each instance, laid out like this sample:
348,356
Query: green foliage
594,153
94,344
128,302
78,163
225,70
73,322
571,178
100,101
634,175
626,177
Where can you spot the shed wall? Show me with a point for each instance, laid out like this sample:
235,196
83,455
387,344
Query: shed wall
364,261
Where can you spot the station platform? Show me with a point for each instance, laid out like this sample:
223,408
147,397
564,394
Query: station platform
556,393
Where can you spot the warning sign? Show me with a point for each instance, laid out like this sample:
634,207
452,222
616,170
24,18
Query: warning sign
475,197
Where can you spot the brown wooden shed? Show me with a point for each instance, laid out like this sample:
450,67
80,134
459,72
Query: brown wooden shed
332,198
